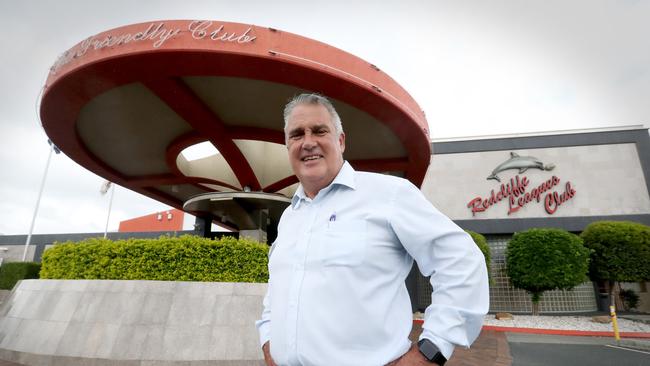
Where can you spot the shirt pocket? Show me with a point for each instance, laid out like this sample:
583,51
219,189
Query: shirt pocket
343,243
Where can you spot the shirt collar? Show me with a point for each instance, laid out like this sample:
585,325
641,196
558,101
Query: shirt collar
345,177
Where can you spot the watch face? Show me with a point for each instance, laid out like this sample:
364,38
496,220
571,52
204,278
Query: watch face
431,352
428,349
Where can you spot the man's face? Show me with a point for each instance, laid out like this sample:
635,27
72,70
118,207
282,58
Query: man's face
315,151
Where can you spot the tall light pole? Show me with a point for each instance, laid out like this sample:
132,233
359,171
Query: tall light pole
56,150
105,187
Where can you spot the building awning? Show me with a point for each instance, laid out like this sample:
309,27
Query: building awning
125,103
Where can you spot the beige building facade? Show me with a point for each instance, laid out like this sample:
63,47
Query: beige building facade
502,185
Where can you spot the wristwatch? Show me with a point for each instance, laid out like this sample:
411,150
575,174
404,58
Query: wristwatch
431,352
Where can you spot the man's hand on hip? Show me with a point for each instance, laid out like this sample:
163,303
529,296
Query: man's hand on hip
412,358
266,348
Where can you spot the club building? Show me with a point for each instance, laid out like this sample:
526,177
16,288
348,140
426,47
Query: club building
127,102
497,186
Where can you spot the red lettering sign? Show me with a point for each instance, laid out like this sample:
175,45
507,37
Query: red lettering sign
554,200
515,191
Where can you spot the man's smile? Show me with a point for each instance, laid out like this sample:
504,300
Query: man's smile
311,157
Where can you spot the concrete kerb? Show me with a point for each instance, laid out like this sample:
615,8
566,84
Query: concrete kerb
561,332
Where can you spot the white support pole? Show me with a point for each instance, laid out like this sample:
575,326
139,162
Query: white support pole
110,206
38,202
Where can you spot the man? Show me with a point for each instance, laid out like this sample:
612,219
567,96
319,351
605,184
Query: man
345,245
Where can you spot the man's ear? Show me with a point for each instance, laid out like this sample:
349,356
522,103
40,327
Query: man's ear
342,142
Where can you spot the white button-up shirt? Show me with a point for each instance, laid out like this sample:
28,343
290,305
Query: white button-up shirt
336,292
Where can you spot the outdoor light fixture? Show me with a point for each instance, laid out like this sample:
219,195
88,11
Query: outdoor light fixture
56,150
220,199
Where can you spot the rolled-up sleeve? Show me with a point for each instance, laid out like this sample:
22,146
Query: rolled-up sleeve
443,251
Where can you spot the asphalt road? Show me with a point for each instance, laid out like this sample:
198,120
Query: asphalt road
538,350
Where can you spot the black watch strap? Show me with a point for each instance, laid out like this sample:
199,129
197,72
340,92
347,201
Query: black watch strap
431,352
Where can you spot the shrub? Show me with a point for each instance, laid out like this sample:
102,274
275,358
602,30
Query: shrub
482,244
12,272
620,252
186,258
539,260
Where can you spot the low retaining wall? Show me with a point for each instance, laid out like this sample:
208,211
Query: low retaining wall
4,294
98,322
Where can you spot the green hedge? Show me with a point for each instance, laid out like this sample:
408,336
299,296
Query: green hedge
185,258
12,272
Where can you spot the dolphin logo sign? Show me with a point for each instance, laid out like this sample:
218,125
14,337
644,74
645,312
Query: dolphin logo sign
522,163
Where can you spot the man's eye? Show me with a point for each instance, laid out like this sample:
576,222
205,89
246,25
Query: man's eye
320,132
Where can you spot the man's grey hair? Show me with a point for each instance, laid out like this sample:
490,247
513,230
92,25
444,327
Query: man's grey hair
313,98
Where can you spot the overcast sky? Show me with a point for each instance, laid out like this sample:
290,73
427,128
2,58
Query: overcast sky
475,67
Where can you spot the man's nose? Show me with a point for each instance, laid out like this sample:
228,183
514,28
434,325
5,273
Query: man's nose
309,141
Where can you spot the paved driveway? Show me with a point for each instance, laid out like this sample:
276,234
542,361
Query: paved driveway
534,350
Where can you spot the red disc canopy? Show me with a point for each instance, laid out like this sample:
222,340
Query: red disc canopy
125,103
